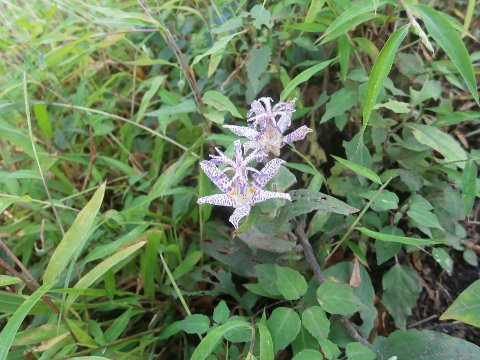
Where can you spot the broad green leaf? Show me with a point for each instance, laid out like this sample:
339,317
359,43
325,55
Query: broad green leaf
329,349
308,354
423,216
469,179
210,342
340,102
257,64
359,169
267,278
220,102
316,322
304,201
186,106
284,325
98,271
357,351
261,17
302,77
338,298
221,312
195,324
380,71
401,288
466,306
442,257
217,47
398,107
385,250
385,200
449,40
75,238
424,345
290,283
266,341
400,239
442,142
13,324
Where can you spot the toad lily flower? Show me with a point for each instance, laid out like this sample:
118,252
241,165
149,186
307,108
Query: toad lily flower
269,137
238,191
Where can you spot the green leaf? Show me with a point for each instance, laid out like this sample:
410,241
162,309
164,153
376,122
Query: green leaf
6,280
401,288
187,106
195,324
266,341
221,312
385,250
466,306
290,283
423,216
302,77
267,278
43,120
98,271
257,64
444,143
149,94
398,107
118,326
385,200
357,351
449,40
338,298
210,342
304,201
217,47
284,325
399,239
442,257
313,10
75,238
469,179
329,349
13,324
359,169
340,101
220,102
380,71
308,354
424,345
316,322
187,264
261,17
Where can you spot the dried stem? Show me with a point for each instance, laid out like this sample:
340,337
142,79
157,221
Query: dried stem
312,262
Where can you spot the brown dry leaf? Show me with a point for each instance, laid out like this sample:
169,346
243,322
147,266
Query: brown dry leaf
355,279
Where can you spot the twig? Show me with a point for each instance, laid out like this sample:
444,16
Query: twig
312,262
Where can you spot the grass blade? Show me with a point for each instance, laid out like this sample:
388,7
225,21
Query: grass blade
399,239
469,184
75,237
449,40
380,71
359,169
208,344
8,333
302,77
99,270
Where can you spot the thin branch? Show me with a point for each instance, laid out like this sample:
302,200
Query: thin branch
312,262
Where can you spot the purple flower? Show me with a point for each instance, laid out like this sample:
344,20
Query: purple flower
269,137
238,191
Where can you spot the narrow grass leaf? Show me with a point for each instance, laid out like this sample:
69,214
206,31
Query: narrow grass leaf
302,77
8,333
359,169
210,342
399,239
75,237
98,271
449,40
380,71
469,179
266,342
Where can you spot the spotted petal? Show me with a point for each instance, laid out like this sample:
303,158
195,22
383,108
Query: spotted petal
217,199
239,214
218,178
262,195
267,173
285,110
296,135
247,132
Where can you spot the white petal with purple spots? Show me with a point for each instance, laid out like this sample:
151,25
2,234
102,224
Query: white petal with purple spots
239,214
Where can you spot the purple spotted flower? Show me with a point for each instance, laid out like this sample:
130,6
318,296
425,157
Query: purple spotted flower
238,191
272,122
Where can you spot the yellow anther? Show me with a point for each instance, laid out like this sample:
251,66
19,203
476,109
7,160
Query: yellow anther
233,192
252,189
263,138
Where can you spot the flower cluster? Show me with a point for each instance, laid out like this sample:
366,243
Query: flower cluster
265,136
